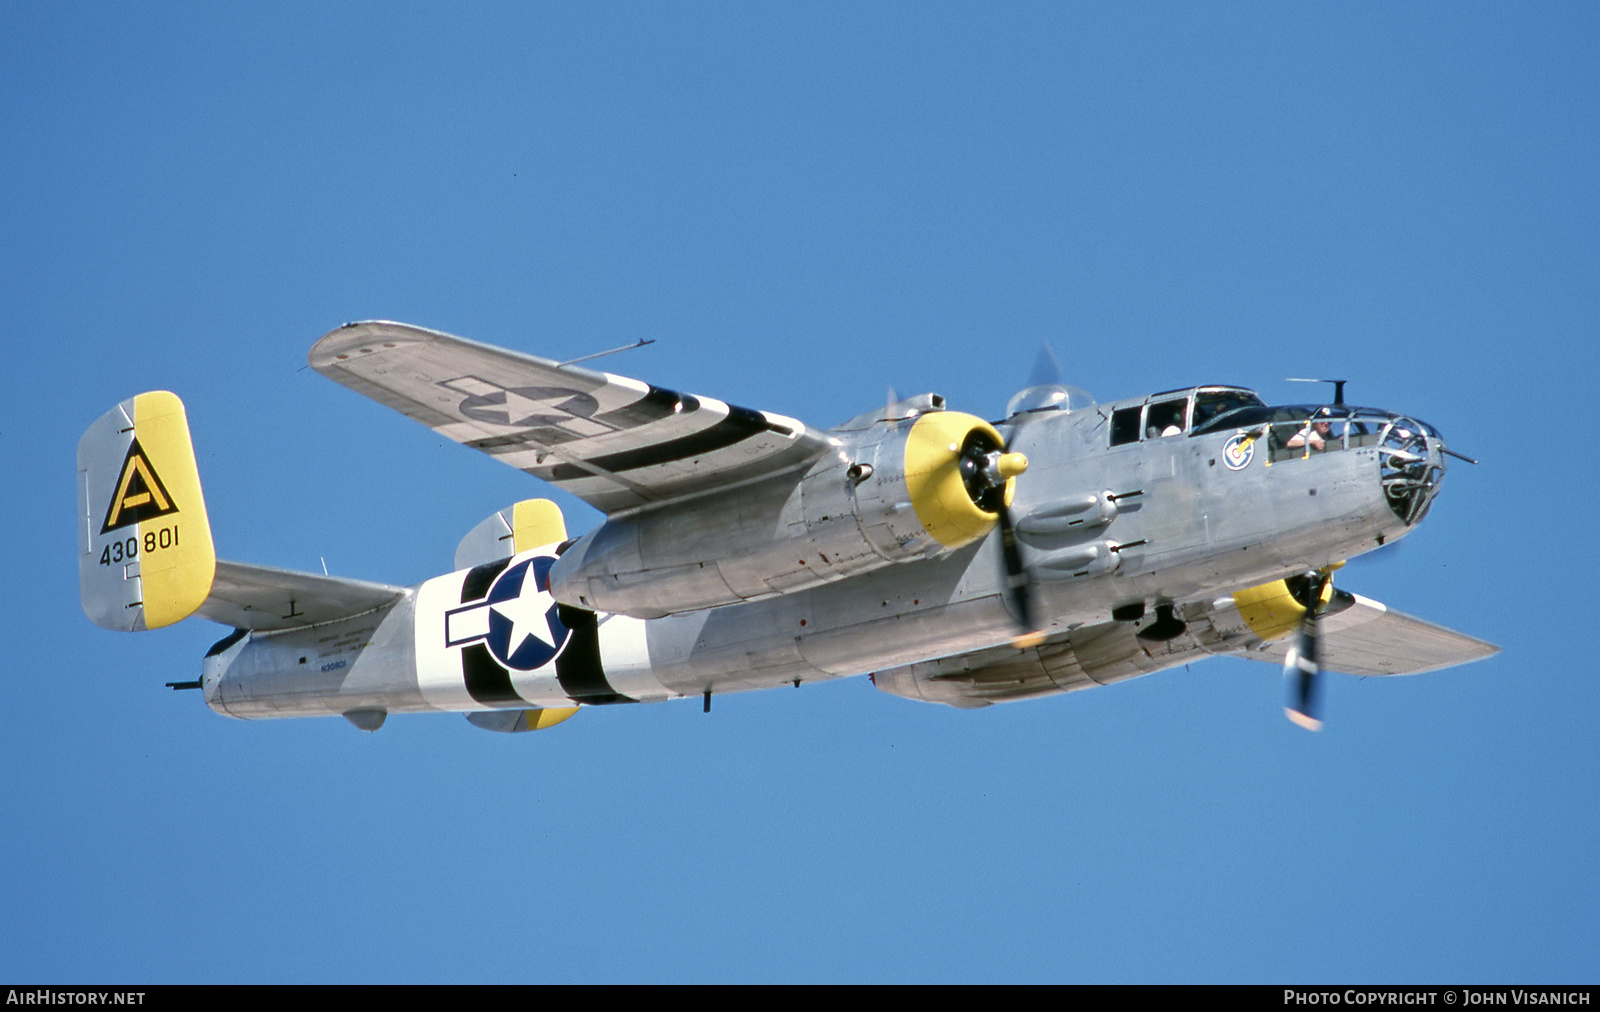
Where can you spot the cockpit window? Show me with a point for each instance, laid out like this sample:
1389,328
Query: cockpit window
1125,425
1169,413
1212,404
1243,417
1166,419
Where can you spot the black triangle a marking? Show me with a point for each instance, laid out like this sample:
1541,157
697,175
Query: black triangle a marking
139,494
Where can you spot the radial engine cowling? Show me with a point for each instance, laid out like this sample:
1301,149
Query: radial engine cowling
895,491
934,485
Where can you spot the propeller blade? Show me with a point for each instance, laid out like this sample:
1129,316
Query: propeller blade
989,474
1046,367
1300,664
1300,676
1019,585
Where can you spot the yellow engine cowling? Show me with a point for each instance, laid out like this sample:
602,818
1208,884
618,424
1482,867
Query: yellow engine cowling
923,496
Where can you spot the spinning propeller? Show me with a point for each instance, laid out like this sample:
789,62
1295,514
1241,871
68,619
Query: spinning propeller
986,470
1314,592
990,467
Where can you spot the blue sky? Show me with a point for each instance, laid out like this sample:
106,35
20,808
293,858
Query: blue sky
804,205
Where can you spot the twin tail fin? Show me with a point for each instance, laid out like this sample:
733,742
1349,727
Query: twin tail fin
145,553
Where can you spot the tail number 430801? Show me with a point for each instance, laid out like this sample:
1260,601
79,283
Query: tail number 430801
128,549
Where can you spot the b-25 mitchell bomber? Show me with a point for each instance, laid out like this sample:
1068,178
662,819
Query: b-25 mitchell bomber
1069,545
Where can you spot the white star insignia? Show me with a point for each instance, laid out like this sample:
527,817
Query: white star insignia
526,613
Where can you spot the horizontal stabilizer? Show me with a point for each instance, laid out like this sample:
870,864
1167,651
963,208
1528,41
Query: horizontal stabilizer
261,598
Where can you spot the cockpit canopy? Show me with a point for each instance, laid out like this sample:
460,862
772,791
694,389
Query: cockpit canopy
1176,412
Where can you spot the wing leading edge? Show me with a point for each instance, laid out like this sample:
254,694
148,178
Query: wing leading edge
614,442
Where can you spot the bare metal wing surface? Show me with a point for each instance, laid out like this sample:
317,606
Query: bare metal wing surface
1368,638
614,442
264,598
1363,638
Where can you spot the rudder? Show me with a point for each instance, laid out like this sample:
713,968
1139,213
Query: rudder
146,557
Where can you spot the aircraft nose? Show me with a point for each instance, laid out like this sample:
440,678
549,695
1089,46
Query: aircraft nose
1411,466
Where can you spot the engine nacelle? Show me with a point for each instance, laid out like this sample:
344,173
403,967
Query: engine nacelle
922,494
896,491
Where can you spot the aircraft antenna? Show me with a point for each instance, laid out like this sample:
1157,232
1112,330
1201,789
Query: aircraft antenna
611,351
1338,387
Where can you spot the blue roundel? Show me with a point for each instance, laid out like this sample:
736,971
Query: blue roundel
525,629
1236,452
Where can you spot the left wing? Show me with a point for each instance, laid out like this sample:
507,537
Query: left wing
616,443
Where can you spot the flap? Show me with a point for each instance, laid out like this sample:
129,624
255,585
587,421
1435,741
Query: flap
616,443
262,598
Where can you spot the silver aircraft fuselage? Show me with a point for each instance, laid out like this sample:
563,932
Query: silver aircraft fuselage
1115,519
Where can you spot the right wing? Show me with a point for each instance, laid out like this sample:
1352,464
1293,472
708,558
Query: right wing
616,443
1080,659
1368,638
1360,637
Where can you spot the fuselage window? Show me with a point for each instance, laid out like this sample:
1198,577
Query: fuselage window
1212,403
1125,425
1166,419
